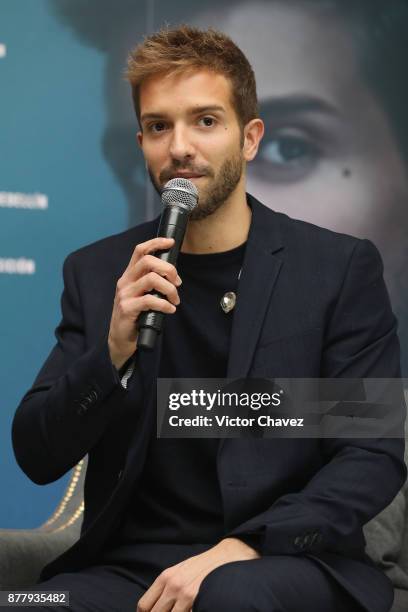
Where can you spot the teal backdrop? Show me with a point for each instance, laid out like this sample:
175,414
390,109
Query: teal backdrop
70,173
54,128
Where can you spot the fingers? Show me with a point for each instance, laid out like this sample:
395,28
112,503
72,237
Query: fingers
145,273
131,308
155,244
150,263
148,282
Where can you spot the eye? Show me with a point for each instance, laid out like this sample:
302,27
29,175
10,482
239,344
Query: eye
288,155
157,126
284,150
207,121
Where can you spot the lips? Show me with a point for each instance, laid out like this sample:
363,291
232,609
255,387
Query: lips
186,175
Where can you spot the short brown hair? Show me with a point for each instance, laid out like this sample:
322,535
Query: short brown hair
185,48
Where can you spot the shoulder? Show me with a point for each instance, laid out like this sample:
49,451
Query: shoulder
112,251
308,242
330,249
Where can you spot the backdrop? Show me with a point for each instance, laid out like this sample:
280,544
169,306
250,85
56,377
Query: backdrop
71,173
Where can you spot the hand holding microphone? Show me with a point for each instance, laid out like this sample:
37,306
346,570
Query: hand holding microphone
148,288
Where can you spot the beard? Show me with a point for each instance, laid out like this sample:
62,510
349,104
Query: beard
212,197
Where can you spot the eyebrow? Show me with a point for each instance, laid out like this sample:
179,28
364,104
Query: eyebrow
193,111
296,104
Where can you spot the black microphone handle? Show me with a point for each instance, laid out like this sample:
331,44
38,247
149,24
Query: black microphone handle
173,223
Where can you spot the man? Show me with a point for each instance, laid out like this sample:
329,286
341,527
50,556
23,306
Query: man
236,524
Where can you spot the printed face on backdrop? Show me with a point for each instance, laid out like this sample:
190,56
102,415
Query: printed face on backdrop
328,155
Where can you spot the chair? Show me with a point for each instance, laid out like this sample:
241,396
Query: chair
24,552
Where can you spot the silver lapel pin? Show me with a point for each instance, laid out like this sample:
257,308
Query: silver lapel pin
228,301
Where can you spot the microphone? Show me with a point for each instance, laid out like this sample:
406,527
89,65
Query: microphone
179,197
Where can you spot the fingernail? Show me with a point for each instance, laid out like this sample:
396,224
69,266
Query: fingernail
178,281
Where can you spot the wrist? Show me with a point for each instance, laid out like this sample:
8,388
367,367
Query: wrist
238,547
118,358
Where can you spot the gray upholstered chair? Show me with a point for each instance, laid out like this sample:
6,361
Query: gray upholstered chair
24,552
387,541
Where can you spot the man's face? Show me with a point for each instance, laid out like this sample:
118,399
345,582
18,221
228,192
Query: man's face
190,130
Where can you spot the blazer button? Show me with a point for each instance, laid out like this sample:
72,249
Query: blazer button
316,539
82,408
92,397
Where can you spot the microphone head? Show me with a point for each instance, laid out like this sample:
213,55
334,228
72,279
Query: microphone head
180,192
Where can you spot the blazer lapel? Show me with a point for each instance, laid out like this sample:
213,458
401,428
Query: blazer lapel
259,273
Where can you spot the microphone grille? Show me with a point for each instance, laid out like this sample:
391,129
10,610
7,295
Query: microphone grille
180,191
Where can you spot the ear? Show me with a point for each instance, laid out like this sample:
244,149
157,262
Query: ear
253,134
139,138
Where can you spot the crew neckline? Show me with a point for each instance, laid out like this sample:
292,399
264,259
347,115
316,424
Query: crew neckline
210,259
233,251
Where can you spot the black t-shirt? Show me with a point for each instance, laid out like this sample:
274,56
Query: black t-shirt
178,499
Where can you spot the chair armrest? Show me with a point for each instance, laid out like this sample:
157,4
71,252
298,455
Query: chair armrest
24,552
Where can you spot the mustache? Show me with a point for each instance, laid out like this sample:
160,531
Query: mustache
167,173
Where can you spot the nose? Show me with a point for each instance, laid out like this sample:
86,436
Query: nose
181,147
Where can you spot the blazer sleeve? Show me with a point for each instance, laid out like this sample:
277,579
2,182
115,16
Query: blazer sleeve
72,400
360,477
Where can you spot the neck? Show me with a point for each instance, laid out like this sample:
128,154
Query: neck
224,230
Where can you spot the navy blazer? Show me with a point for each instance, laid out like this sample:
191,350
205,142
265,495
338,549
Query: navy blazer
311,304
